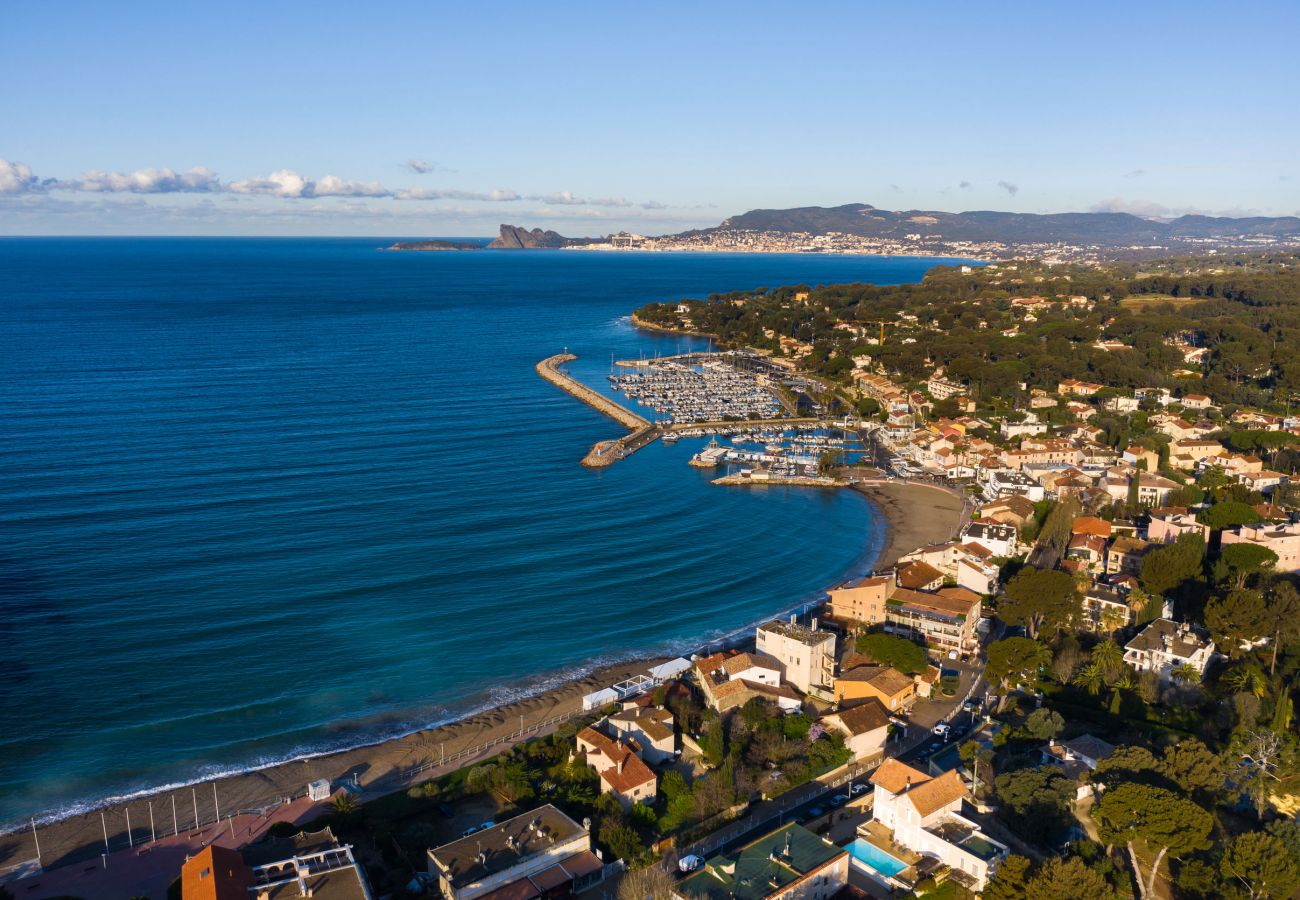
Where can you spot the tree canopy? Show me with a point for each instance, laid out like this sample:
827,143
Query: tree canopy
1042,600
1168,823
906,656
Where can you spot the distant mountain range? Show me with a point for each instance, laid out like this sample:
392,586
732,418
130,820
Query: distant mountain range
1095,229
1106,228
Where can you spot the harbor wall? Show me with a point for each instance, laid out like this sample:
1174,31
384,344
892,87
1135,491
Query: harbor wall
549,369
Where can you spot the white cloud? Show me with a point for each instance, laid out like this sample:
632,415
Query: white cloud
331,186
568,198
498,196
419,166
281,183
1010,188
17,178
198,180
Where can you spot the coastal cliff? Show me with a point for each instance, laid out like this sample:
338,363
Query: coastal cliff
513,237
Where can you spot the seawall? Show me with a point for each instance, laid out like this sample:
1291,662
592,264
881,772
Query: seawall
549,369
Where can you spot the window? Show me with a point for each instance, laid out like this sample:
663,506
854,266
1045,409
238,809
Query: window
204,874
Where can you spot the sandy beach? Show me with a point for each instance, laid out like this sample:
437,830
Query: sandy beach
917,514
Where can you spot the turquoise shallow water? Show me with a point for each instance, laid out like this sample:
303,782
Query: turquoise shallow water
261,497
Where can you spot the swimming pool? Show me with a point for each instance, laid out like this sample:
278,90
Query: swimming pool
873,857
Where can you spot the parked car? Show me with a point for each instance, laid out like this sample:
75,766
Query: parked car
941,730
815,811
468,831
857,788
839,799
486,825
689,863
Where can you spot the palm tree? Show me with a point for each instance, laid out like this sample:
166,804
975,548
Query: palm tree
1108,655
1185,672
1113,619
1127,680
1246,679
345,804
1092,677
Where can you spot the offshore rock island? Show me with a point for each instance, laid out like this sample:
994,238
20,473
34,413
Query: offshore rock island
861,228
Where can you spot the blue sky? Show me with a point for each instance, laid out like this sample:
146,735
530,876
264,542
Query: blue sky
415,118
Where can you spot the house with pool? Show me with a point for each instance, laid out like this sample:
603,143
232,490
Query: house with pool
918,830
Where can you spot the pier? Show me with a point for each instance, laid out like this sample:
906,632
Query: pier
604,453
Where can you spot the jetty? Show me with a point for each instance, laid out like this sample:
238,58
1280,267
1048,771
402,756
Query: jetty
603,453
768,478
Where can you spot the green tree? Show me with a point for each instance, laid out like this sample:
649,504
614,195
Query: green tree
1245,560
1041,600
906,656
1246,678
1282,615
1036,801
1190,765
1044,724
1236,619
1068,877
1260,865
1010,881
1228,514
1015,663
1129,763
1166,823
1092,678
1167,567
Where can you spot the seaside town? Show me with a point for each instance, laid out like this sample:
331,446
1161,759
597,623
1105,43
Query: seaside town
1078,682
745,240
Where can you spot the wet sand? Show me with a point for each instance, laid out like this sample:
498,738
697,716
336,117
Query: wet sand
917,515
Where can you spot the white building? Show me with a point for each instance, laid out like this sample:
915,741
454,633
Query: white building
651,727
1005,482
998,539
924,814
1164,645
1284,540
806,653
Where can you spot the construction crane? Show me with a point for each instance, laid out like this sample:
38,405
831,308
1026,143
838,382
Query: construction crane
882,328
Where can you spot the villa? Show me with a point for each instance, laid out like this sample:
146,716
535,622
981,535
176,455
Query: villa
865,728
732,680
791,862
622,772
1164,646
922,814
542,853
650,727
894,690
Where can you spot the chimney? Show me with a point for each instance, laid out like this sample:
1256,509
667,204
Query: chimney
794,618
622,761
814,624
908,785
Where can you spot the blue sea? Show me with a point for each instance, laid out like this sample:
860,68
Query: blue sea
262,497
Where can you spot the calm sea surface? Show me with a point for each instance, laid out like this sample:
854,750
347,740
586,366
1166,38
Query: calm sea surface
260,497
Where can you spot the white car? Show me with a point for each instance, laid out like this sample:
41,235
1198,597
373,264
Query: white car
941,730
689,863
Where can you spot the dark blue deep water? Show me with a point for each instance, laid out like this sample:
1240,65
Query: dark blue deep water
261,497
